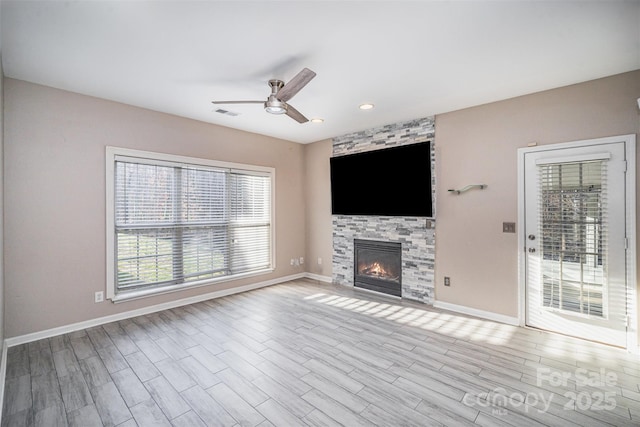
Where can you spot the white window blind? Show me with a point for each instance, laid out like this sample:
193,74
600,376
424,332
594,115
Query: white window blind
181,224
573,222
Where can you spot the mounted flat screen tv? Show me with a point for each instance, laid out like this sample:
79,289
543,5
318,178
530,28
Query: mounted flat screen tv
393,181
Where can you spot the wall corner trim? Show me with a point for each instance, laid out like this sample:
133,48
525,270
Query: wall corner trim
501,318
35,336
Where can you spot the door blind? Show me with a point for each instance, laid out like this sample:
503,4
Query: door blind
177,223
573,233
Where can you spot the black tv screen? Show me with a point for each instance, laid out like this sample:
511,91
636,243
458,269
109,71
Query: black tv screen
387,182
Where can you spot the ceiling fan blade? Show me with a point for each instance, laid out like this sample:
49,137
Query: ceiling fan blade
296,115
237,102
295,84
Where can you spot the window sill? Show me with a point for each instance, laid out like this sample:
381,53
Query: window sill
125,296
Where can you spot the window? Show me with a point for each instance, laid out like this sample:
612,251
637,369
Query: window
175,222
573,236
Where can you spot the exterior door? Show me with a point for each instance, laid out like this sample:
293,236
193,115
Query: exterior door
575,240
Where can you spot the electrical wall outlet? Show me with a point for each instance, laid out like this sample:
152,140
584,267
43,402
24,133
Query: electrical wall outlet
293,262
99,297
301,260
447,281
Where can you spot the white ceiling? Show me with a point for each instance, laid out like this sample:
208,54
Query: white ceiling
410,58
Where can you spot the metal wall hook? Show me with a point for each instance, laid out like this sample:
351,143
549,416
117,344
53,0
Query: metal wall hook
469,187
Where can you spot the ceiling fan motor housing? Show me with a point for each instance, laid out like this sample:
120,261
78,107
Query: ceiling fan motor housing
273,105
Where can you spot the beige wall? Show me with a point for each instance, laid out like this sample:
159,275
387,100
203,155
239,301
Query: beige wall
318,208
479,145
55,197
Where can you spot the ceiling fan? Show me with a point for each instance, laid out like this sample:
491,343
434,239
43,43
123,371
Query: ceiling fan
276,103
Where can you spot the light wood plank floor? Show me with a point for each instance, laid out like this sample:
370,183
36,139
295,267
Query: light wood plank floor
308,353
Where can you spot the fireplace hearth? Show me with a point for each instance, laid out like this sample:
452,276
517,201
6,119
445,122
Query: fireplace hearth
378,266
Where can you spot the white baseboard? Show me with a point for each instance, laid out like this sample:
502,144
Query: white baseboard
318,277
477,313
35,336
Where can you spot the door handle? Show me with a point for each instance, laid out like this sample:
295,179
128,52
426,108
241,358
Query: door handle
532,250
532,237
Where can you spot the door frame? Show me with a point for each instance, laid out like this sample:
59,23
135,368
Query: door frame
630,226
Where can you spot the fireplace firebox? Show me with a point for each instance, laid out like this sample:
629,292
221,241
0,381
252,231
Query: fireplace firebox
378,266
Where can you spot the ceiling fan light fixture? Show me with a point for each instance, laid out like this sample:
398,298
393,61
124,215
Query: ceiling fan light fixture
366,106
317,120
275,109
275,106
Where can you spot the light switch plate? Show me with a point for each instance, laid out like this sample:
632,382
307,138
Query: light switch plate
508,227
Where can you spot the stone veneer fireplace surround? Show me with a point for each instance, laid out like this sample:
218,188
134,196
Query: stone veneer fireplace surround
416,234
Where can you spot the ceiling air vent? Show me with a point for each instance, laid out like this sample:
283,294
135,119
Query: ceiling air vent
227,112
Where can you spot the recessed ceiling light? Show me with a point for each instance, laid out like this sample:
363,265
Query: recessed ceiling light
366,106
317,120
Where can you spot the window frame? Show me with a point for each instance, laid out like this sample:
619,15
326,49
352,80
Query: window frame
148,157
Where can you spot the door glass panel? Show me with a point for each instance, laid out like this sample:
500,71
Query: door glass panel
572,221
